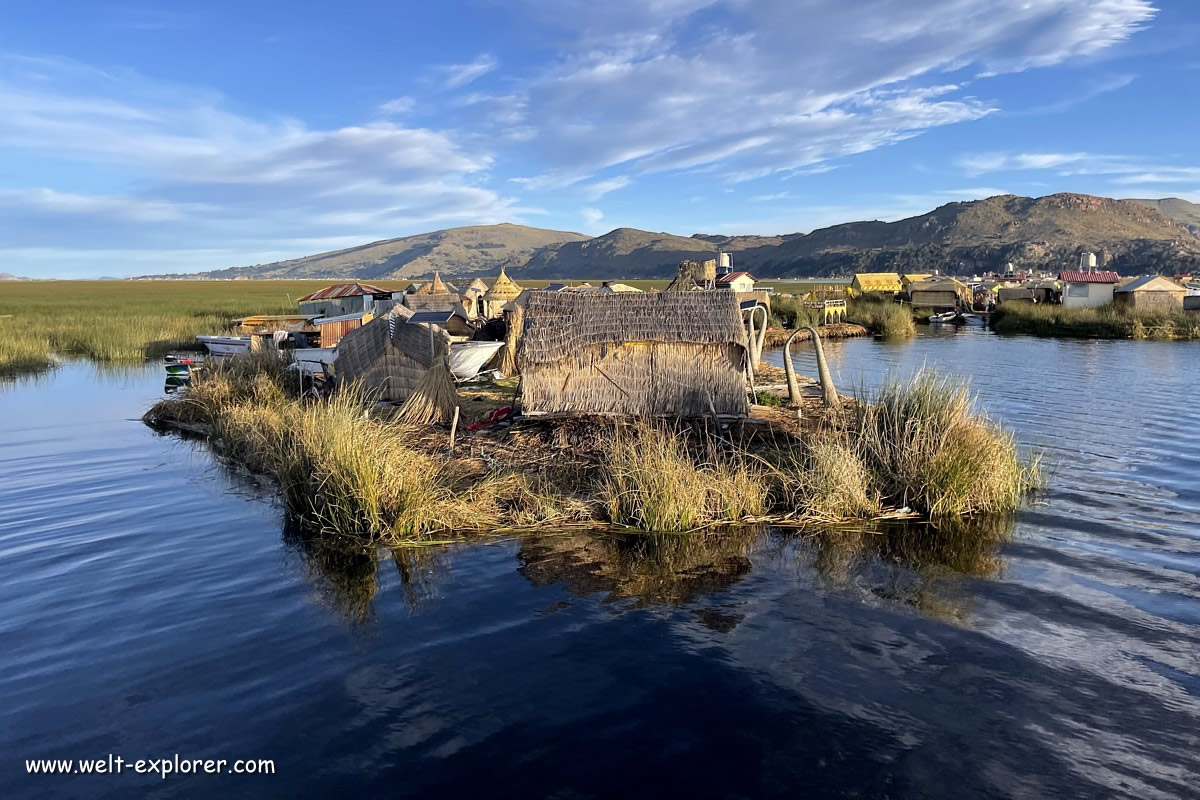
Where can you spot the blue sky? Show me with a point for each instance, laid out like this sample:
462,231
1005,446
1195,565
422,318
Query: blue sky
174,137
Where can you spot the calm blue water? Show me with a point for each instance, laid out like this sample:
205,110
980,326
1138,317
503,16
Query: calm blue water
152,603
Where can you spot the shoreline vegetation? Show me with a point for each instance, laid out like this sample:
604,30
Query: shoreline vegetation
125,321
914,449
864,316
1106,322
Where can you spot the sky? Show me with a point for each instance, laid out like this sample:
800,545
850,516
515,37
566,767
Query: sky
165,137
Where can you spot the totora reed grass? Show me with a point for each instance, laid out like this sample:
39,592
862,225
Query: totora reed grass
341,470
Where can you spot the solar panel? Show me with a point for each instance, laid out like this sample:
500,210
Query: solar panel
748,304
431,317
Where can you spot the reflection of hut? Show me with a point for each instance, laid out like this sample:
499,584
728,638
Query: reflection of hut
389,356
503,290
1151,292
639,354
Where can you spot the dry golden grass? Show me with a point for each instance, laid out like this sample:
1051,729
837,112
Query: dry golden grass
343,471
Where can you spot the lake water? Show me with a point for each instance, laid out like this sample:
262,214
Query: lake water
152,603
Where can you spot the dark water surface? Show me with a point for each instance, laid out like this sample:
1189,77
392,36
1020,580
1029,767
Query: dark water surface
152,604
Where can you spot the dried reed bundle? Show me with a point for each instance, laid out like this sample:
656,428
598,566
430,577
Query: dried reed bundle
434,398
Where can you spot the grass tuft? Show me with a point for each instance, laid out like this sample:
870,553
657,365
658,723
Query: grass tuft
928,449
883,317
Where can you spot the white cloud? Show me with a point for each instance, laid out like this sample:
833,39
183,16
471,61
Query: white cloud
594,191
1120,170
593,219
397,106
208,173
455,76
747,88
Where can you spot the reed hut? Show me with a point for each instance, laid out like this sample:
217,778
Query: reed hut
436,286
504,290
389,356
677,354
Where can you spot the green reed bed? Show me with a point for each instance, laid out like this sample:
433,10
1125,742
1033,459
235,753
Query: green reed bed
126,321
1105,322
882,317
917,445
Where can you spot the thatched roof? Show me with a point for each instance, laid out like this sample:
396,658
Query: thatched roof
478,285
560,324
435,302
504,288
390,356
434,287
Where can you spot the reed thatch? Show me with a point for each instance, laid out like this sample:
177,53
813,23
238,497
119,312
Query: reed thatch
676,354
435,286
390,358
503,290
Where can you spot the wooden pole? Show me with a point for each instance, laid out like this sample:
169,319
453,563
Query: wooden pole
454,428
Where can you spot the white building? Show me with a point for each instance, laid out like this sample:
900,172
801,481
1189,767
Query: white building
738,281
1087,289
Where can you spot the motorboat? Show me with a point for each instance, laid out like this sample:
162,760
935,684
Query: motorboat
945,318
225,345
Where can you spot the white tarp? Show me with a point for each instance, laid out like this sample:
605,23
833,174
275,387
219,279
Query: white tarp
467,358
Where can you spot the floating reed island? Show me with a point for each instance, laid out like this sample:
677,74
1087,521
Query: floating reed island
630,410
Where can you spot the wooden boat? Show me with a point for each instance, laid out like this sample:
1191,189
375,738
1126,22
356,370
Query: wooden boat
182,369
225,345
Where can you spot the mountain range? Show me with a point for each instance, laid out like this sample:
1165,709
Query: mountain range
1130,236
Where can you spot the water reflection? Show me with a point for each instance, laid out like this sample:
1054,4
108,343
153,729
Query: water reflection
917,565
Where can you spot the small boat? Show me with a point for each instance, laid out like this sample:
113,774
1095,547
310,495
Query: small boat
182,369
945,318
225,345
182,358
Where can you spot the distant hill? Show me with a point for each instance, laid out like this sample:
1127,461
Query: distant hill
1045,233
1181,211
8,276
1130,236
621,253
454,251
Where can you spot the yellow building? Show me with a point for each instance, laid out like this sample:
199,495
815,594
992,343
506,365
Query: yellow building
875,283
909,278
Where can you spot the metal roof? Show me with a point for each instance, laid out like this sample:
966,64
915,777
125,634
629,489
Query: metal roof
734,276
343,290
1077,276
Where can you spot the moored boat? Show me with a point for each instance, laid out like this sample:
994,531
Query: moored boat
945,318
225,345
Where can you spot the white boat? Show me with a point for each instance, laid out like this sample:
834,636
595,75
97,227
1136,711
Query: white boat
467,358
313,359
946,317
225,345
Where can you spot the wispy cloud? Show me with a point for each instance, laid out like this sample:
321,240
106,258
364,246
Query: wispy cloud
212,174
791,89
455,76
1091,92
397,106
1119,169
594,191
593,219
